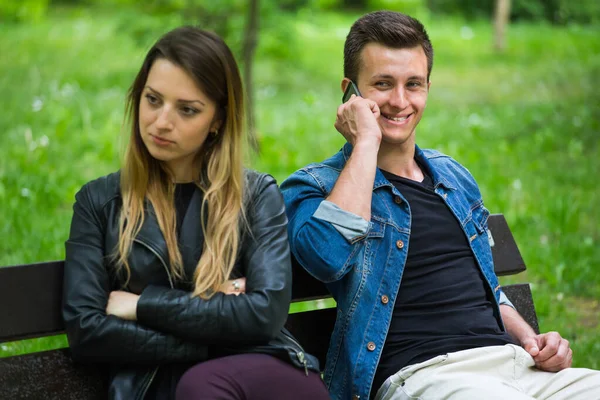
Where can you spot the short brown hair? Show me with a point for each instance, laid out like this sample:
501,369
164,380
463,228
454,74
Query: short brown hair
389,28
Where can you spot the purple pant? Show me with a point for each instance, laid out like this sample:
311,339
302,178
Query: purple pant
249,377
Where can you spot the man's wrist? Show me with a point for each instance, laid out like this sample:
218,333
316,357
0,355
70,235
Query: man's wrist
367,144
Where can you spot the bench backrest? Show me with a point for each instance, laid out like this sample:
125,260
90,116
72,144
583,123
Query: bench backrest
30,303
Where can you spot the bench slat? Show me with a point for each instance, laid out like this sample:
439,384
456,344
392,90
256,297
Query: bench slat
520,295
506,254
31,301
313,330
49,375
304,286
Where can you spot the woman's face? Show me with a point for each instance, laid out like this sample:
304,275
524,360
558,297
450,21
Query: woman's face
175,118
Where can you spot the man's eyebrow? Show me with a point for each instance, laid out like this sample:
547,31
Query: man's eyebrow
179,100
390,77
383,76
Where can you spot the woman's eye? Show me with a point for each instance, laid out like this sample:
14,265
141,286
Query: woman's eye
152,99
189,111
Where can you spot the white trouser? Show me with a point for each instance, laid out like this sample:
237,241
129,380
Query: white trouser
495,372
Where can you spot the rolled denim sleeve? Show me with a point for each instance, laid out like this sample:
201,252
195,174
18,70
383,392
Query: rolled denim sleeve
504,300
349,225
326,240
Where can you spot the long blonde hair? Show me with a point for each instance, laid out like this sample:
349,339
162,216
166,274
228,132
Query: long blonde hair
219,163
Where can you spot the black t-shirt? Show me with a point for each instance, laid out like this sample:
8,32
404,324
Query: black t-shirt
165,380
183,197
443,304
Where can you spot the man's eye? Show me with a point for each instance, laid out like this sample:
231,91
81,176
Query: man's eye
414,84
382,84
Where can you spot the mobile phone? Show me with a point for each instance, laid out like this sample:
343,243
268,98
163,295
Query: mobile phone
350,90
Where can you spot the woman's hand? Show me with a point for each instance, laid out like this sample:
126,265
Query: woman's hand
234,286
123,305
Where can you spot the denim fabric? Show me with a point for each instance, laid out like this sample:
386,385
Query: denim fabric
361,261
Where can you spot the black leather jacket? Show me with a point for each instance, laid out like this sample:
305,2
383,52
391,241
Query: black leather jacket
173,330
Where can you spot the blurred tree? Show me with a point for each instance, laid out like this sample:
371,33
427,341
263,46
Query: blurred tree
410,7
414,8
22,10
237,21
500,22
248,50
554,11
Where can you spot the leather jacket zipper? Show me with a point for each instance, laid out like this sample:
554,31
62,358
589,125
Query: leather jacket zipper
164,264
299,354
152,375
162,261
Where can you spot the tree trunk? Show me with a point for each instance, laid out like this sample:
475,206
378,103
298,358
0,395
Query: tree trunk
501,17
249,47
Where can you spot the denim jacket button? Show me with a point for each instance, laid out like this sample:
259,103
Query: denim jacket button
397,199
371,346
399,244
385,299
356,397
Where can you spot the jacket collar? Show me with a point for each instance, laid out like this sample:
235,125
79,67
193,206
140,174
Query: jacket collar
381,181
191,237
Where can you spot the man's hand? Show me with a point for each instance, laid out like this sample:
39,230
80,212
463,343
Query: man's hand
357,120
123,305
234,286
549,351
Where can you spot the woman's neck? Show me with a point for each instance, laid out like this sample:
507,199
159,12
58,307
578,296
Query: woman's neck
181,172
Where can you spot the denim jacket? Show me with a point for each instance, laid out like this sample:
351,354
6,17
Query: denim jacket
362,261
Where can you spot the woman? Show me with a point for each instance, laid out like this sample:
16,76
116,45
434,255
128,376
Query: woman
179,263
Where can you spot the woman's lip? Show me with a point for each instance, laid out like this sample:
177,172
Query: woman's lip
160,141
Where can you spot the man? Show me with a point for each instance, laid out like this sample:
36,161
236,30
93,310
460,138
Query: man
399,235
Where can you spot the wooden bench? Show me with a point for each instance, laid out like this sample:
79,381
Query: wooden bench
30,303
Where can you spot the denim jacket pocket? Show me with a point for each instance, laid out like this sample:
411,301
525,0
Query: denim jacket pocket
376,228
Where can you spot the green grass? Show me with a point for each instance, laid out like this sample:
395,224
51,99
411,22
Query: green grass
525,123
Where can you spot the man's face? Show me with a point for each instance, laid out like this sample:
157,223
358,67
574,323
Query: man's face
396,79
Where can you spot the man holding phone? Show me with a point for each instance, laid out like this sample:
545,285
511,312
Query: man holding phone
399,235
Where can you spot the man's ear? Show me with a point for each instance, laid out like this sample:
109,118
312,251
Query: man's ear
428,85
345,83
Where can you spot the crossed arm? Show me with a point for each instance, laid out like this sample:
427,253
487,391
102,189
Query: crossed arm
168,325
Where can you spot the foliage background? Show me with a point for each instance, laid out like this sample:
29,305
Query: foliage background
525,122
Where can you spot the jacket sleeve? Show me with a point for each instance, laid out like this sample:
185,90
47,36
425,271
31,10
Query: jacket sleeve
254,317
326,240
94,336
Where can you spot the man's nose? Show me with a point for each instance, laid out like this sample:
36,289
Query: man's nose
398,98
